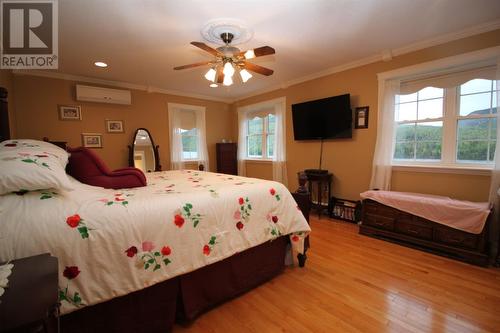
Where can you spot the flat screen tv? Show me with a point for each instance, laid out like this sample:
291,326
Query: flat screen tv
327,118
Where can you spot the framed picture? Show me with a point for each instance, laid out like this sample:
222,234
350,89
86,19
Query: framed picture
361,117
70,112
92,140
114,126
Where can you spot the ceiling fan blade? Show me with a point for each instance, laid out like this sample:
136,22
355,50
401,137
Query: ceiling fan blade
206,48
260,51
203,63
258,69
219,77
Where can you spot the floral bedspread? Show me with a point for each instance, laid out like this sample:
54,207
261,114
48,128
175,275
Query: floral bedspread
112,242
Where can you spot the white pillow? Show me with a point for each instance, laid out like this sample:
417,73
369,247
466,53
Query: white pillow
28,145
32,165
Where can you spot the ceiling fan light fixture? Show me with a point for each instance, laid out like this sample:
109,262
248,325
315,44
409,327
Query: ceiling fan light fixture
210,75
228,70
245,75
228,80
213,85
250,54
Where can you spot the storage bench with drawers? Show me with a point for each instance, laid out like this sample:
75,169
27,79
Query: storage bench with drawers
391,224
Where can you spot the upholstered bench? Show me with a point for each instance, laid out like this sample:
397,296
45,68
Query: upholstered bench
453,228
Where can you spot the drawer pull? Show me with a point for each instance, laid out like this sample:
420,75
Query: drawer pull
456,240
412,231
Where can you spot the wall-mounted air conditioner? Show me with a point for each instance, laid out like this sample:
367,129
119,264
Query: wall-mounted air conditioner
103,95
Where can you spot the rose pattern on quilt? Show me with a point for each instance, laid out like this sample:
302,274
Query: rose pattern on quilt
296,236
149,257
48,195
118,199
21,192
242,214
208,248
24,144
30,159
70,273
273,225
195,178
213,193
75,221
186,213
272,191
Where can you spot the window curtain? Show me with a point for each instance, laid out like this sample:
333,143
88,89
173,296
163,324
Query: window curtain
279,160
202,140
494,197
384,147
243,116
174,120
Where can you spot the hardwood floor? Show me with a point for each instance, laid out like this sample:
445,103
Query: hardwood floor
353,283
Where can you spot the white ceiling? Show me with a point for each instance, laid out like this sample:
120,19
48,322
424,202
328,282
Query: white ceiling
142,40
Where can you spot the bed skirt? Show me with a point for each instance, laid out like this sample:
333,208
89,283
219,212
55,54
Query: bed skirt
155,309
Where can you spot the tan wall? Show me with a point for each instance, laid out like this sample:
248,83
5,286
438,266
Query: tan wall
350,160
6,81
37,101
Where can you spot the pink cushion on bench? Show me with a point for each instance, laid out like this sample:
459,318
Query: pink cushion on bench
88,168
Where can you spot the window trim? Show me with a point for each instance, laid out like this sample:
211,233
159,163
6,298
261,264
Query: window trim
197,110
467,61
265,134
450,118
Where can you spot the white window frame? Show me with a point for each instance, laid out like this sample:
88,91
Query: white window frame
471,60
197,110
451,116
265,134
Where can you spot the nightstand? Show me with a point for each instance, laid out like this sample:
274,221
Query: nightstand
30,303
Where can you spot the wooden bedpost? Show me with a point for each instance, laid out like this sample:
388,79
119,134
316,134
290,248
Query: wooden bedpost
303,199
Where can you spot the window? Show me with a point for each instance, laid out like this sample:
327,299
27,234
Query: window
189,144
476,121
447,126
187,136
260,137
419,125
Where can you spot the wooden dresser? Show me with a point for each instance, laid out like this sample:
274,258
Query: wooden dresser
395,225
226,158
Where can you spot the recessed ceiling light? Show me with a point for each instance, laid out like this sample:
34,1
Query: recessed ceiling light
214,85
100,64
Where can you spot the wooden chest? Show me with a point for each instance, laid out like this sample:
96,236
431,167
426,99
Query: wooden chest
394,225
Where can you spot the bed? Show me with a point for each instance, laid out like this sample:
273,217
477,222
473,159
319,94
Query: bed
134,259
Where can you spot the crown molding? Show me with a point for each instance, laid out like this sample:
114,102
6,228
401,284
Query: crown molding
442,39
445,38
118,84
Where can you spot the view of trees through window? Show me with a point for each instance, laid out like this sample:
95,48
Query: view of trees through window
477,127
189,144
260,137
420,123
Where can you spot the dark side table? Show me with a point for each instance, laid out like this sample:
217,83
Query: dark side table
323,181
30,303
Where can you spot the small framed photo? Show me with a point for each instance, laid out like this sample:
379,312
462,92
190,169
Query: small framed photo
361,117
70,112
114,126
92,140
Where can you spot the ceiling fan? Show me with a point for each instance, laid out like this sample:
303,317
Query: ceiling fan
228,59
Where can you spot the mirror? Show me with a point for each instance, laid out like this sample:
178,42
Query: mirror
143,154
